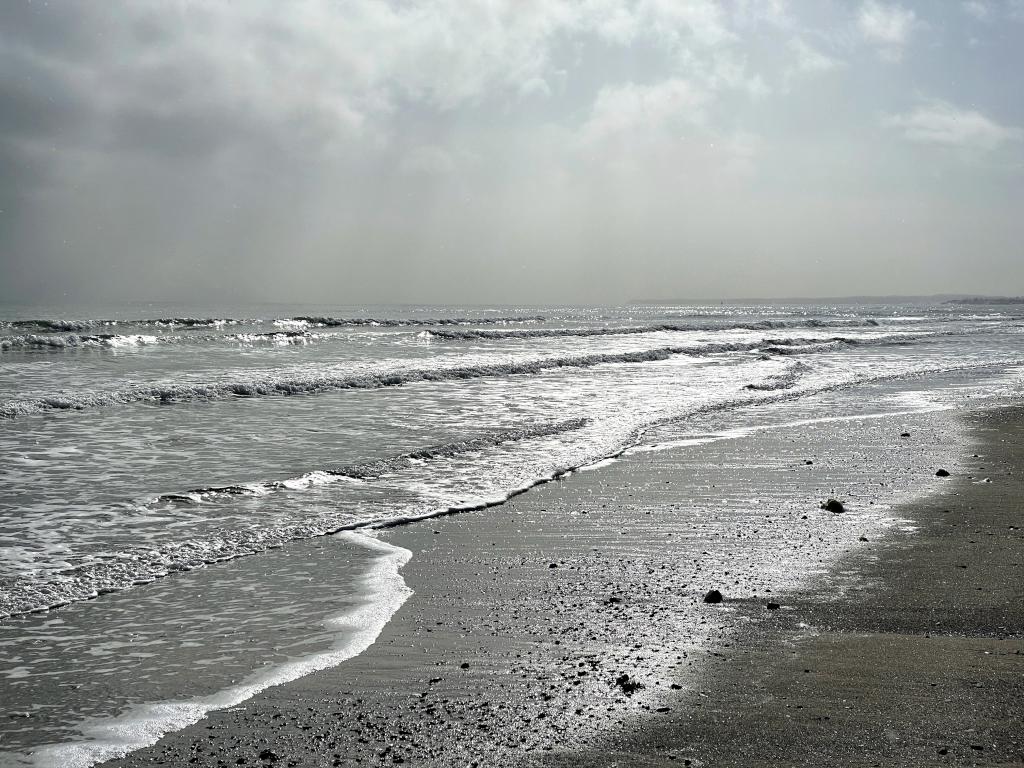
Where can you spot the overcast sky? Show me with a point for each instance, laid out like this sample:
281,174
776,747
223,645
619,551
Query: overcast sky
509,150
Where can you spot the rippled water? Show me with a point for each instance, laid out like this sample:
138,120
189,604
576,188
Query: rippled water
138,442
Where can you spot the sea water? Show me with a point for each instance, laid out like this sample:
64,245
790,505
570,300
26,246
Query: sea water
225,446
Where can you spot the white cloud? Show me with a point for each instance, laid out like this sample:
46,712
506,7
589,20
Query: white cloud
939,122
887,26
631,110
979,9
810,60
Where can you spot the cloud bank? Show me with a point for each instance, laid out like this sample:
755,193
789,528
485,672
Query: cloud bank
501,150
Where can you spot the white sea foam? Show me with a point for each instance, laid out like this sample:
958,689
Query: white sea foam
314,382
108,738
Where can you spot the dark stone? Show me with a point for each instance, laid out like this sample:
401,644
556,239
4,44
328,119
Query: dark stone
773,606
629,687
942,473
713,597
863,538
269,754
614,599
943,751
552,565
904,434
464,665
833,505
808,462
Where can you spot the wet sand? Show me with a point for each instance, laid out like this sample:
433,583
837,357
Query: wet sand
527,617
921,662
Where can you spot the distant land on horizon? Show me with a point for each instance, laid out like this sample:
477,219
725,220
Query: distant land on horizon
940,298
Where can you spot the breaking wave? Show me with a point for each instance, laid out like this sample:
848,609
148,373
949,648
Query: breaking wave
67,326
540,333
338,322
785,379
58,325
297,384
75,341
118,340
373,469
116,571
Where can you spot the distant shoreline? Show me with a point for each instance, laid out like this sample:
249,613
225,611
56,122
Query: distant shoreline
942,298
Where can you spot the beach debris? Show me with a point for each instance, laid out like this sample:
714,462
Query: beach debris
713,597
629,687
833,505
772,606
942,473
863,538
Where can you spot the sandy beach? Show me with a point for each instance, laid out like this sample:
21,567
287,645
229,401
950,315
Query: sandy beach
566,627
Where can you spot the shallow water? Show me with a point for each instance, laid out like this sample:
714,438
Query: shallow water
170,446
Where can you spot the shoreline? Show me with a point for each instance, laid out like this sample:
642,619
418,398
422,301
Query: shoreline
919,660
413,701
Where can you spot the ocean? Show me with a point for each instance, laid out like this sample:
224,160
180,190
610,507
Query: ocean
184,489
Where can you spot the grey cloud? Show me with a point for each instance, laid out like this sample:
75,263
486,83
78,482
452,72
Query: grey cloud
458,150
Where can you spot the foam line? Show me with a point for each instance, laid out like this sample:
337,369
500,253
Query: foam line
143,725
297,384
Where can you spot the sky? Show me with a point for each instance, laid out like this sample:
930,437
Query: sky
509,151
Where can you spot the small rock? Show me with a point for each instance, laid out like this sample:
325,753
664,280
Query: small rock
904,434
773,606
713,597
552,565
943,751
942,473
808,462
269,754
629,687
833,505
464,665
863,538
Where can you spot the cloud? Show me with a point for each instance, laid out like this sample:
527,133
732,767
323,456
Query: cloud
809,60
939,122
887,26
427,160
624,111
979,9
